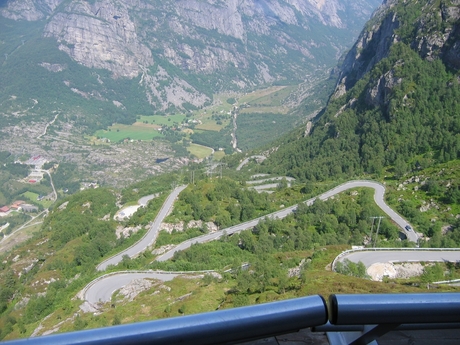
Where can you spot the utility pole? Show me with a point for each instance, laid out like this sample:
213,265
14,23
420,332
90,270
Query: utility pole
372,230
219,165
378,227
209,167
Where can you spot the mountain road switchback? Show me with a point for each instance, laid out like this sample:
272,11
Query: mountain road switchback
103,287
149,238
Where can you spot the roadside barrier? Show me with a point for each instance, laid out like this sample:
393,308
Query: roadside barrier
353,319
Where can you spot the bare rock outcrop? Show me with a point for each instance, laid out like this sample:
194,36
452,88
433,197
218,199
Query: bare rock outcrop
100,36
380,93
372,46
430,39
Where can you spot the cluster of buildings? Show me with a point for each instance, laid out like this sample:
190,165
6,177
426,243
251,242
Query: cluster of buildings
18,205
36,161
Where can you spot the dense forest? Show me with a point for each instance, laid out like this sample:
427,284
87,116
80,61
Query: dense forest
419,126
259,129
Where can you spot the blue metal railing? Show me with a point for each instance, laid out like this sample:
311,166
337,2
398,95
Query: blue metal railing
219,327
394,308
354,319
379,314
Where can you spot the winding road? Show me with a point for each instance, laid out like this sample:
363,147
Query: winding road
149,238
102,288
381,255
51,181
246,161
378,198
47,125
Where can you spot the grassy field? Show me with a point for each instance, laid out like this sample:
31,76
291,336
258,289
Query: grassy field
273,96
221,104
137,131
267,100
220,109
264,110
33,197
218,155
209,119
199,151
210,125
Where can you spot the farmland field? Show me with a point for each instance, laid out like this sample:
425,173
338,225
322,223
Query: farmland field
199,151
33,197
218,155
264,110
137,131
210,126
272,96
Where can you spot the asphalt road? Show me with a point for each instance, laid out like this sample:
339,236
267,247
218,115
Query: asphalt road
378,197
102,290
149,237
368,258
246,161
145,200
379,200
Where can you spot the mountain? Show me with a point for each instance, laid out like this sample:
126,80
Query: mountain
395,108
69,68
396,101
115,59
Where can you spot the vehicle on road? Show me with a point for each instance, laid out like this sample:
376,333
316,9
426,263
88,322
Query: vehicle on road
408,228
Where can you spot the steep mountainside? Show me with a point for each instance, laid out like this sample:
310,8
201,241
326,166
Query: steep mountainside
396,102
145,55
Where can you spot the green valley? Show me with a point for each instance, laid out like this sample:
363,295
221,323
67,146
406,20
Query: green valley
239,195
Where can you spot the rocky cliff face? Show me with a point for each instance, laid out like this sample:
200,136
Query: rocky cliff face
229,44
435,33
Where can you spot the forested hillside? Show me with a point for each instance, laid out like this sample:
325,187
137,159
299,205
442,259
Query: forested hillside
402,112
394,117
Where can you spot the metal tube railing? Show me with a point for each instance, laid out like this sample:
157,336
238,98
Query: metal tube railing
394,308
328,327
219,327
